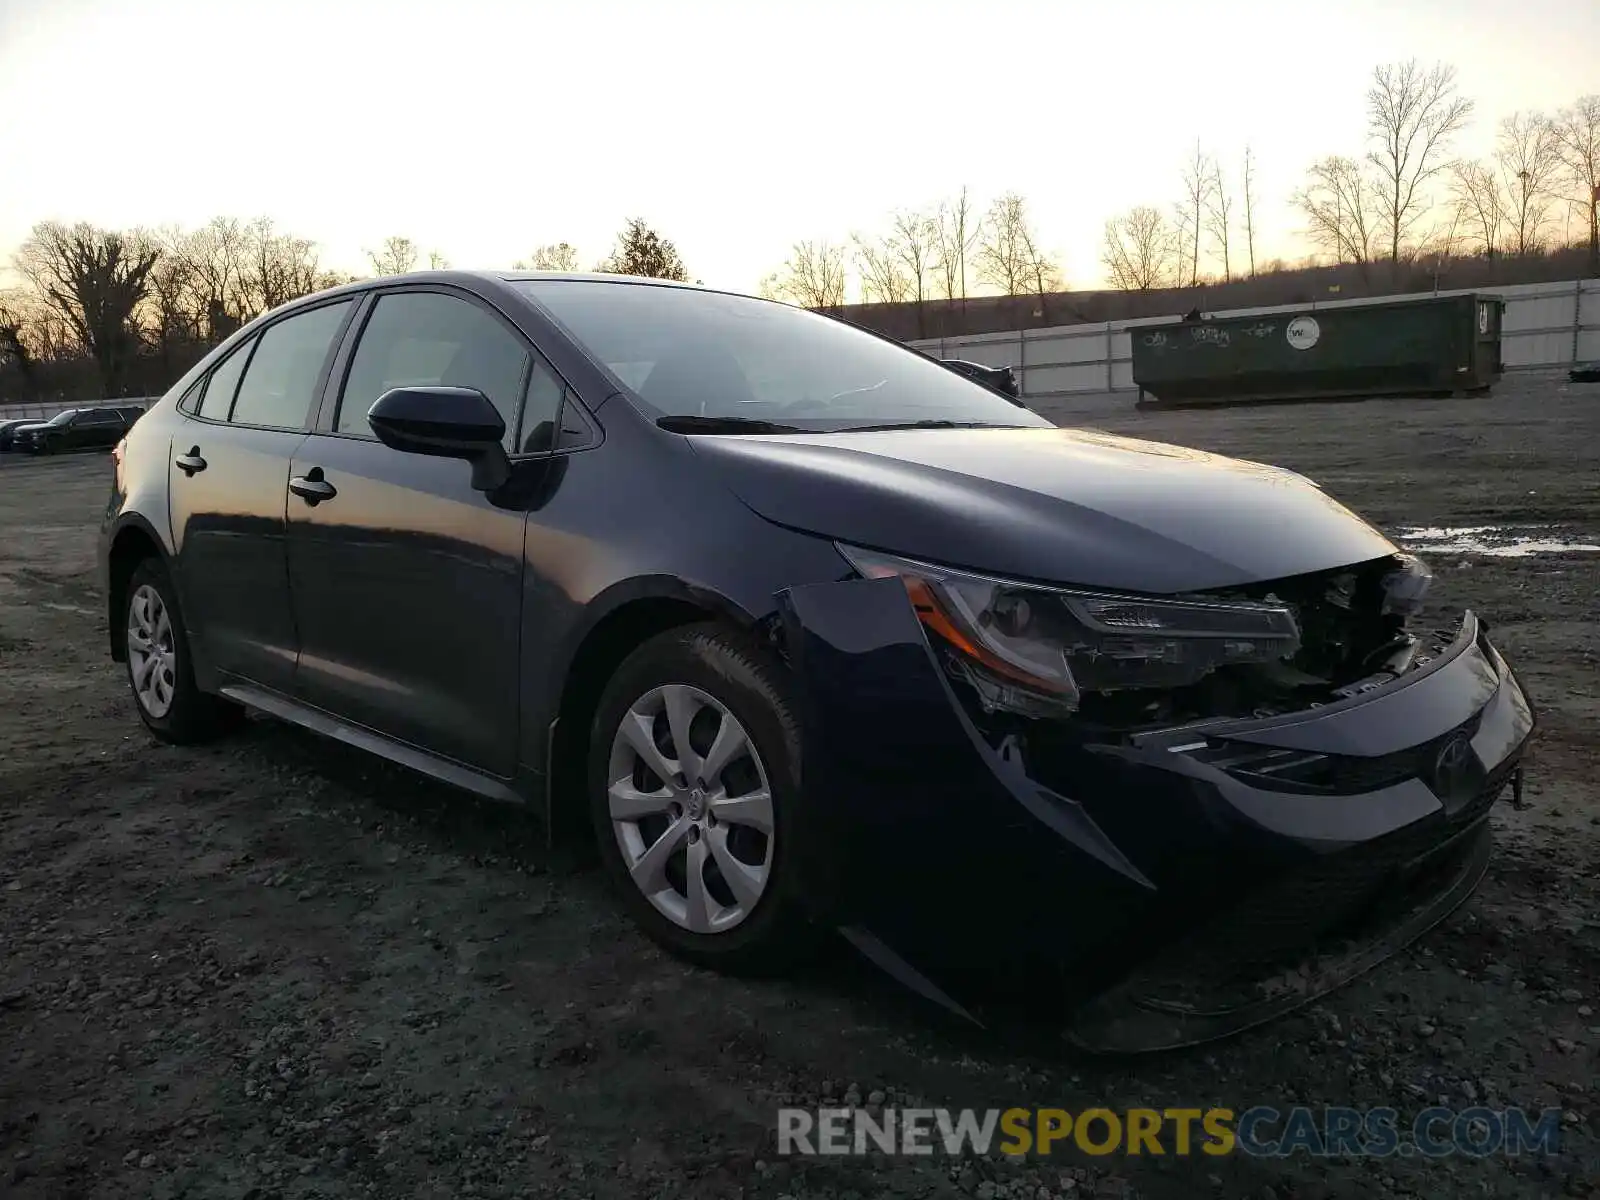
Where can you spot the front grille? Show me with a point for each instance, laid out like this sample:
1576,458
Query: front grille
1307,772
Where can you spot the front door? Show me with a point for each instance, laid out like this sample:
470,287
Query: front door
228,483
407,583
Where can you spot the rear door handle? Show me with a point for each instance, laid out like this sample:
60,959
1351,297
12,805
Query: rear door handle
312,487
191,462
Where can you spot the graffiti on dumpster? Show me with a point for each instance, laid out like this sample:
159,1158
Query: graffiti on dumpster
1155,339
1209,335
1265,329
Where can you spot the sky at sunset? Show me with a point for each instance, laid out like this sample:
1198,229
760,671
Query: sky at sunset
482,128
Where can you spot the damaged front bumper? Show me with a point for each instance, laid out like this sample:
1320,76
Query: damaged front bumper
1175,885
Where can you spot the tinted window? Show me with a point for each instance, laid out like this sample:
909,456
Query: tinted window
684,352
223,382
421,338
281,381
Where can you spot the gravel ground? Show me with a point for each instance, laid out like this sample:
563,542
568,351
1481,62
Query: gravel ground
274,967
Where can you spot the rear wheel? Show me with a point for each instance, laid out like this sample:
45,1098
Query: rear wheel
160,672
694,788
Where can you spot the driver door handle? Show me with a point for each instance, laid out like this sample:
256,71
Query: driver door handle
312,487
191,462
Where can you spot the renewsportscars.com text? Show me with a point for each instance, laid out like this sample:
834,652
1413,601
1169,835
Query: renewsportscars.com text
1260,1131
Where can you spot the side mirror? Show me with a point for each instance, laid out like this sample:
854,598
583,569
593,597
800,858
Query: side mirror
445,422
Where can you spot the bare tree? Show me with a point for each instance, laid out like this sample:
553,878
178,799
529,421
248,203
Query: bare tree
1577,134
813,276
1250,208
884,278
172,315
1530,164
396,256
555,256
95,280
218,255
916,241
1005,257
1219,211
14,347
640,250
1480,205
281,268
1198,178
437,261
1413,114
1043,275
1337,202
1138,253
958,228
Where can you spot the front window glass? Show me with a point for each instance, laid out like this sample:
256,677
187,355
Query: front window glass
690,354
416,339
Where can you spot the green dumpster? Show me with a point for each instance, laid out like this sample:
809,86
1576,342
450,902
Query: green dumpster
1439,345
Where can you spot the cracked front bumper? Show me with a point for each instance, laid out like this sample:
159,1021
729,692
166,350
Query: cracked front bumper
952,863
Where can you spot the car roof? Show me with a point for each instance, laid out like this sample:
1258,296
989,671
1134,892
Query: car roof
492,278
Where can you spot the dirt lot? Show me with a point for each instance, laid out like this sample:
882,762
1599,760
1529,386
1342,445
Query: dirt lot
276,968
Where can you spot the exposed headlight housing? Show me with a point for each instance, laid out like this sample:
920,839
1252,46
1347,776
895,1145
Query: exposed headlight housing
1405,587
1033,649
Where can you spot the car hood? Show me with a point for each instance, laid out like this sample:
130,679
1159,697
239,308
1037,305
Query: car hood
1055,505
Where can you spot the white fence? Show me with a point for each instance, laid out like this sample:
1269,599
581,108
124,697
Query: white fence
1545,325
43,412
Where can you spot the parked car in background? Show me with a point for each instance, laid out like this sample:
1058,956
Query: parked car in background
814,632
9,427
1001,379
97,428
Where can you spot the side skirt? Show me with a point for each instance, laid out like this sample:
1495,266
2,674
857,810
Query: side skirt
443,769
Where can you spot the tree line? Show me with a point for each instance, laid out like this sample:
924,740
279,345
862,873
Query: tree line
140,307
937,252
1405,196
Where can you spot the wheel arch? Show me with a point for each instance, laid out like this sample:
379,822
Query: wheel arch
621,620
134,541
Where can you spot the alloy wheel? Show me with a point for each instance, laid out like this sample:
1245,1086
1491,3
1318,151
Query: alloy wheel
691,808
152,654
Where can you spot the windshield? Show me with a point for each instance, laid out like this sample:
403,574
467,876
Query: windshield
706,358
61,418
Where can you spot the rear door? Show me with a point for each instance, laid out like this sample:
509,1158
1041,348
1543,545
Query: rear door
407,583
228,487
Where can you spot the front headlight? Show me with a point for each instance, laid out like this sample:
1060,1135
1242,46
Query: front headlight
1033,649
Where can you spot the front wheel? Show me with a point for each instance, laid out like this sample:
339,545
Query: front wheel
160,672
694,782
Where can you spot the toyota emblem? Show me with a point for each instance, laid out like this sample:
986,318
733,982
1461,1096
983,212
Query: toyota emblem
1457,775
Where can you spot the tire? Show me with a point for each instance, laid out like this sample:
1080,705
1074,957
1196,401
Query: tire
176,711
710,673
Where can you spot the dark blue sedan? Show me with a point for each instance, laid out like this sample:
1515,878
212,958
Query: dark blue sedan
816,633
